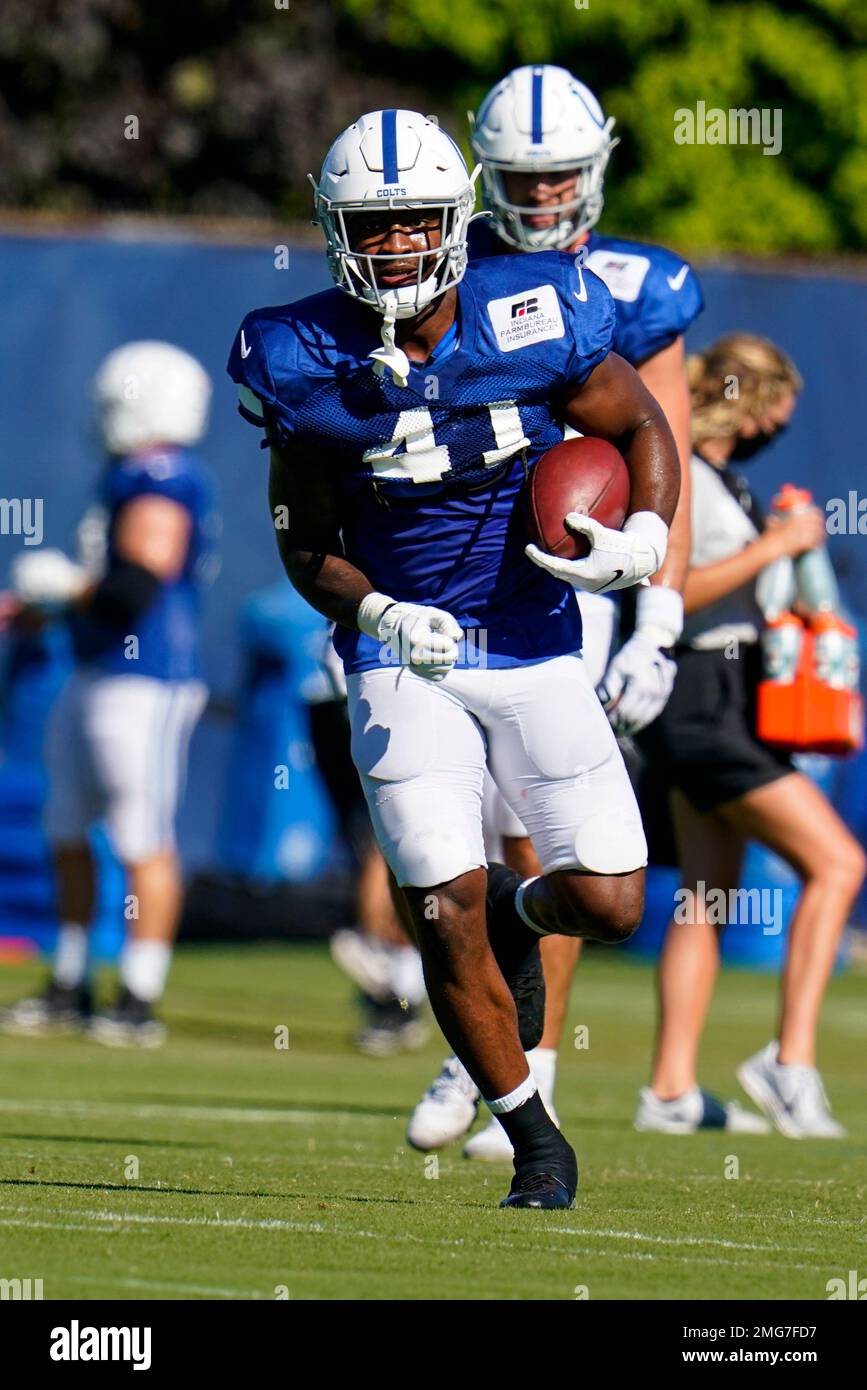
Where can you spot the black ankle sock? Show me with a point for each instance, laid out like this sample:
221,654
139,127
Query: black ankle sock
537,1141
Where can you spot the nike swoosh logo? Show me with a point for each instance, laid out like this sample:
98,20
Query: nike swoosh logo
582,297
245,351
676,281
618,574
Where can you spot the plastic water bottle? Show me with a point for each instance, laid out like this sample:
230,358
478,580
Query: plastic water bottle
835,652
814,574
781,648
776,587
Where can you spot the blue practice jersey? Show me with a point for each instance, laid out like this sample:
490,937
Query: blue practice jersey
167,632
656,293
428,475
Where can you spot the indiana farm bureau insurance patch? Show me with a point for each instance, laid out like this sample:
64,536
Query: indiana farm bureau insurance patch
530,317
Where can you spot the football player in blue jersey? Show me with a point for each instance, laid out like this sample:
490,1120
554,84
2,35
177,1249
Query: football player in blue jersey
119,731
404,409
544,142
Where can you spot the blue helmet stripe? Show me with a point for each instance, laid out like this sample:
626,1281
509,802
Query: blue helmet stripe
536,136
389,146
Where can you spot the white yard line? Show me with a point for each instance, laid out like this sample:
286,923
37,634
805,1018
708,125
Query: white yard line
174,1286
538,1249
108,1220
88,1110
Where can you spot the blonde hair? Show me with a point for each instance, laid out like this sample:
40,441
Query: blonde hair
737,378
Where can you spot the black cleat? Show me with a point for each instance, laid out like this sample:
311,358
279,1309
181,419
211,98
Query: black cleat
522,969
130,1023
541,1190
546,1175
56,1010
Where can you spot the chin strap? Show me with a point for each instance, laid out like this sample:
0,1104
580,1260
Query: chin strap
389,357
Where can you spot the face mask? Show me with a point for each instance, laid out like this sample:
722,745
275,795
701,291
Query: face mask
746,449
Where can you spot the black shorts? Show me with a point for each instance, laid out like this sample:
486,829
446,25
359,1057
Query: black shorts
704,742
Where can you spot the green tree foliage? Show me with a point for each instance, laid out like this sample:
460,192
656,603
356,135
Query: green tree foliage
647,60
236,101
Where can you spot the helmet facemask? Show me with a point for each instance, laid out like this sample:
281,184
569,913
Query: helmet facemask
574,217
437,269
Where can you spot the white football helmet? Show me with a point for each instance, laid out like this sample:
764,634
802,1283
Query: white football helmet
395,159
151,393
542,120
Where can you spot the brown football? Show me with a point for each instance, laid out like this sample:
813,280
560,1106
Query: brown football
579,475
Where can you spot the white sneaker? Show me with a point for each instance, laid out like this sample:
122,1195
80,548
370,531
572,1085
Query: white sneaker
366,963
792,1096
694,1110
491,1144
446,1110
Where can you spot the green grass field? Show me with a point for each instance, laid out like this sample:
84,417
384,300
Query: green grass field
260,1167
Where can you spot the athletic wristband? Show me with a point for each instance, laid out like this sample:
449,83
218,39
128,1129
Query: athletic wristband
370,612
659,614
653,529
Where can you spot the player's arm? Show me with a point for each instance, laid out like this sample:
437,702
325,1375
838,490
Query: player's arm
614,404
664,375
150,540
640,676
305,511
706,584
153,532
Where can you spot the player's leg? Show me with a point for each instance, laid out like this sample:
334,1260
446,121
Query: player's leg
449,1106
421,758
141,730
553,755
506,839
794,819
555,758
447,1109
711,855
560,954
70,809
376,954
381,952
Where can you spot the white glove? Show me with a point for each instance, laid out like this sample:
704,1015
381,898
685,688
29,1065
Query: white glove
617,560
46,578
425,639
640,678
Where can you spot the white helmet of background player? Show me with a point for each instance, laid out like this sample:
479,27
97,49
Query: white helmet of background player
151,393
387,160
542,120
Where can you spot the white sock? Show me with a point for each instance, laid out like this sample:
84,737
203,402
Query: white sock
406,974
515,1098
543,1065
144,966
70,955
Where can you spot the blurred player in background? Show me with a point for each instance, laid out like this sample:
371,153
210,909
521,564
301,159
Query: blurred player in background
118,734
729,786
384,485
543,143
377,955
